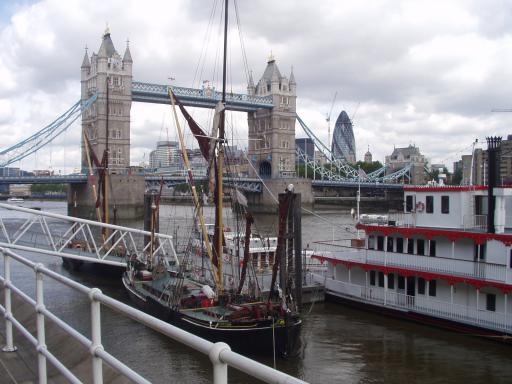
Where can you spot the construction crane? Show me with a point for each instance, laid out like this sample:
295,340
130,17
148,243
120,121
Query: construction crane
328,119
354,114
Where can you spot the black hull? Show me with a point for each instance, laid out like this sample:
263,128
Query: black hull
247,340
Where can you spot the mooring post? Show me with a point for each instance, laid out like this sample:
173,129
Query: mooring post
297,242
9,347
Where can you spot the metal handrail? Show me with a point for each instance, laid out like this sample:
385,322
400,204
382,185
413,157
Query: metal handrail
220,354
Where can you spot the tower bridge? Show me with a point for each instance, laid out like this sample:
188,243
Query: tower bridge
107,93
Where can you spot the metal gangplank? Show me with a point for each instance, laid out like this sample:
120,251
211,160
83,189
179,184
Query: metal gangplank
220,354
78,239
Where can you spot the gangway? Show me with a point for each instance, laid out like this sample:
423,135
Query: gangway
79,239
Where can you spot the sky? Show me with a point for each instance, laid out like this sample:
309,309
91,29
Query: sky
427,73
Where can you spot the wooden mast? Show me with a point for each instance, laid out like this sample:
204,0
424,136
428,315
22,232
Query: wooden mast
220,158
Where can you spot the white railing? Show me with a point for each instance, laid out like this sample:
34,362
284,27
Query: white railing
474,222
80,239
402,219
497,321
453,267
220,354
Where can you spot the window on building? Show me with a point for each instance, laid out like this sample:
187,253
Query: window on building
490,303
372,277
420,247
380,243
409,203
429,206
421,286
432,288
401,282
432,251
445,204
400,244
391,281
410,246
381,279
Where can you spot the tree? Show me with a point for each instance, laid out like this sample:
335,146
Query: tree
456,177
369,167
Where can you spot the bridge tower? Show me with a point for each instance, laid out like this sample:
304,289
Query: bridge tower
272,139
107,126
107,122
272,132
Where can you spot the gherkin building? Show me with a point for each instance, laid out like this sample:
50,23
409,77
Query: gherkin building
343,141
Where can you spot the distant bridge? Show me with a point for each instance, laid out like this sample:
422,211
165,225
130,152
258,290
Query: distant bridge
153,182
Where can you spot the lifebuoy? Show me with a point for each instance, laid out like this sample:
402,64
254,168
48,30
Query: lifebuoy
420,207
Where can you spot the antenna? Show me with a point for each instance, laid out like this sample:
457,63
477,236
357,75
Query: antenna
328,119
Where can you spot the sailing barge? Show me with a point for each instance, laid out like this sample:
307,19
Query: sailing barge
248,322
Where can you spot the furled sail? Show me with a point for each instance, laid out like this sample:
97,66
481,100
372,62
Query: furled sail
199,134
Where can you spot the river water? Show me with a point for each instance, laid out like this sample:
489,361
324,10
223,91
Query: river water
341,345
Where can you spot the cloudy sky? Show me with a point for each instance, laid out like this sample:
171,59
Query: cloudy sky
409,72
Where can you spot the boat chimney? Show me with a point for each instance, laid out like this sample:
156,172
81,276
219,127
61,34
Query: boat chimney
493,148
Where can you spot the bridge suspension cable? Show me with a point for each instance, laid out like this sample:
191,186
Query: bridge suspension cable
341,165
341,170
46,135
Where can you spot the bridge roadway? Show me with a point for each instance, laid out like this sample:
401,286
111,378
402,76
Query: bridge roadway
153,182
204,97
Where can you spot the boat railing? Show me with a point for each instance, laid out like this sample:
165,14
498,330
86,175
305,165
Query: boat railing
402,219
474,222
220,354
500,321
450,266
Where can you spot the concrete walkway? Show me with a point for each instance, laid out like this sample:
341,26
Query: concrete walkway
21,366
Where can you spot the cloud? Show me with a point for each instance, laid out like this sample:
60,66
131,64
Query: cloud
427,73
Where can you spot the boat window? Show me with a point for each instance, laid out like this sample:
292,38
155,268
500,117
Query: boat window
410,246
420,247
510,262
409,203
381,279
380,243
371,242
421,286
432,250
432,288
401,282
490,304
479,254
390,244
372,277
429,204
391,281
400,244
445,204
